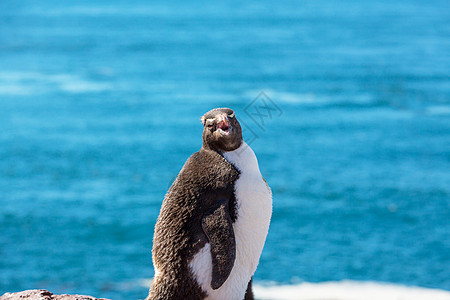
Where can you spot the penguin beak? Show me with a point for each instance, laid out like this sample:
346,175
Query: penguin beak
223,125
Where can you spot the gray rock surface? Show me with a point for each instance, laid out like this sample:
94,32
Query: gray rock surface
44,295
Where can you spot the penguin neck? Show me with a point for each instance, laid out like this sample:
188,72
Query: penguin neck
210,146
244,159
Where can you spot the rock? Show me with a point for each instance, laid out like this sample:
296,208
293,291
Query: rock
44,295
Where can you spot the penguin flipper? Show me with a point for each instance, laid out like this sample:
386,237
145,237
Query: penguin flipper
218,228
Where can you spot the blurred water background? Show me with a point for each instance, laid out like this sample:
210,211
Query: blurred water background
99,109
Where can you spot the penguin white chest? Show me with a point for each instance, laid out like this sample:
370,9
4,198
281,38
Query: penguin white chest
254,209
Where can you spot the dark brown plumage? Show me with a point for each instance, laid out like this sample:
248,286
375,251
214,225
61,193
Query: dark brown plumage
199,208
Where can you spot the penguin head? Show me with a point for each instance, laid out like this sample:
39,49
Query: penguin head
221,130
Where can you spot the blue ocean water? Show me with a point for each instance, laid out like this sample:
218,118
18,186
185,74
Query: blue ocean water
100,104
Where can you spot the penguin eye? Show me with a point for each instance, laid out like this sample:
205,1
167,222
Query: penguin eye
231,115
210,123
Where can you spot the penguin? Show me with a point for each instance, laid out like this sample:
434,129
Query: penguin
214,219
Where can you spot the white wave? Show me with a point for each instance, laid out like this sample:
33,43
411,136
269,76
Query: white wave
83,86
340,290
150,10
347,290
27,83
13,89
309,99
438,110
